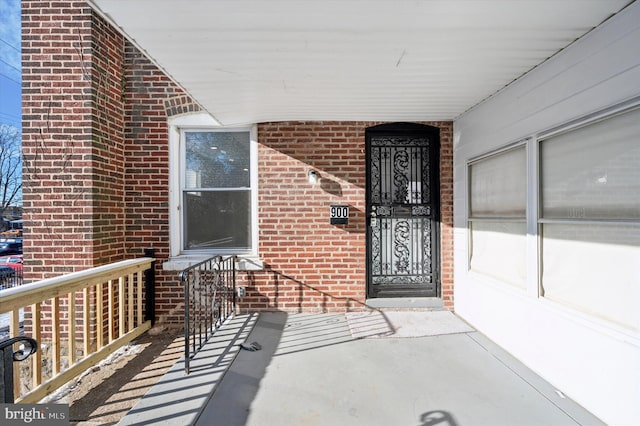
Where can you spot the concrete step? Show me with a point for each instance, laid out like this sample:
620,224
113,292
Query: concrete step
406,303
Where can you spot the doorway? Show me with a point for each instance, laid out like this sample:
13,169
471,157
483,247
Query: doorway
403,210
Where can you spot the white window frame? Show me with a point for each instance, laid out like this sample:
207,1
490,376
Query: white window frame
535,221
520,144
544,137
180,259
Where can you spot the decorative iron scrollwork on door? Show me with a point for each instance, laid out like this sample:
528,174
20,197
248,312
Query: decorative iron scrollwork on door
400,208
399,166
400,250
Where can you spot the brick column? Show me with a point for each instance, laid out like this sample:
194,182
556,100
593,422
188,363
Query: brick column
72,139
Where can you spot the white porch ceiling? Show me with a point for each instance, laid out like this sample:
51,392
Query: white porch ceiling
249,61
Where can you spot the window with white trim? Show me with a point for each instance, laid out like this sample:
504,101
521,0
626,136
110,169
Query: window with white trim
497,215
213,197
216,190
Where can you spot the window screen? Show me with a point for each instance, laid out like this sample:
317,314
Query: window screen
216,191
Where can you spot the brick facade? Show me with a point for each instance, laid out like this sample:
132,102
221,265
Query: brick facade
57,132
310,264
96,173
151,98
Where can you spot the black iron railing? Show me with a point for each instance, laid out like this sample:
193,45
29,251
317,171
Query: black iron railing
10,278
8,355
209,299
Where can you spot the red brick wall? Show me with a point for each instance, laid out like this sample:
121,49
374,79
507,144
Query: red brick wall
95,146
151,98
311,264
108,148
96,173
446,212
72,142
57,132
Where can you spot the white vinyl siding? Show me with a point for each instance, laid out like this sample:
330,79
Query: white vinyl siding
564,326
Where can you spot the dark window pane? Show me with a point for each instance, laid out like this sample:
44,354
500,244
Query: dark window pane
217,220
217,160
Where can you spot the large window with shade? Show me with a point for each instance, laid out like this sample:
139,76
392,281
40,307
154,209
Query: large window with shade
497,215
589,220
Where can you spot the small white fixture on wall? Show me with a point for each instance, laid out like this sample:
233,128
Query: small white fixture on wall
313,177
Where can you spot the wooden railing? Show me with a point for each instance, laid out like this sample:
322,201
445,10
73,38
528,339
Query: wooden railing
77,319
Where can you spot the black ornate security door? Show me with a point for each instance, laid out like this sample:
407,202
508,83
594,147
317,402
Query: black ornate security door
403,205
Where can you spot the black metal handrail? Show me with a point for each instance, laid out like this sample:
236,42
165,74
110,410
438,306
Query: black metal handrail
209,299
9,356
10,278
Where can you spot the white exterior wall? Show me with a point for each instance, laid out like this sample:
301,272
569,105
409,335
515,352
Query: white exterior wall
593,362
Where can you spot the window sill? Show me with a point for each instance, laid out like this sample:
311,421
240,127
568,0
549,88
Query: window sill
244,263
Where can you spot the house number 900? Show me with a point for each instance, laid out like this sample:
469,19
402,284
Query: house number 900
339,215
340,212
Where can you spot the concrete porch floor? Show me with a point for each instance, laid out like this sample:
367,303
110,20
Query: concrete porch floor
353,369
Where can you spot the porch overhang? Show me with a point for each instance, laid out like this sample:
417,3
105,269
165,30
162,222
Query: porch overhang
254,61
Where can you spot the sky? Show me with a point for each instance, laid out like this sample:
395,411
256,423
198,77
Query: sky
10,67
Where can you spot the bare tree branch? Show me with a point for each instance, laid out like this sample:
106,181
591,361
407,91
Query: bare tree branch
10,166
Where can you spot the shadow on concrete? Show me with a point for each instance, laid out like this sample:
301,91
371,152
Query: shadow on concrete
239,386
280,334
437,418
312,370
178,398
